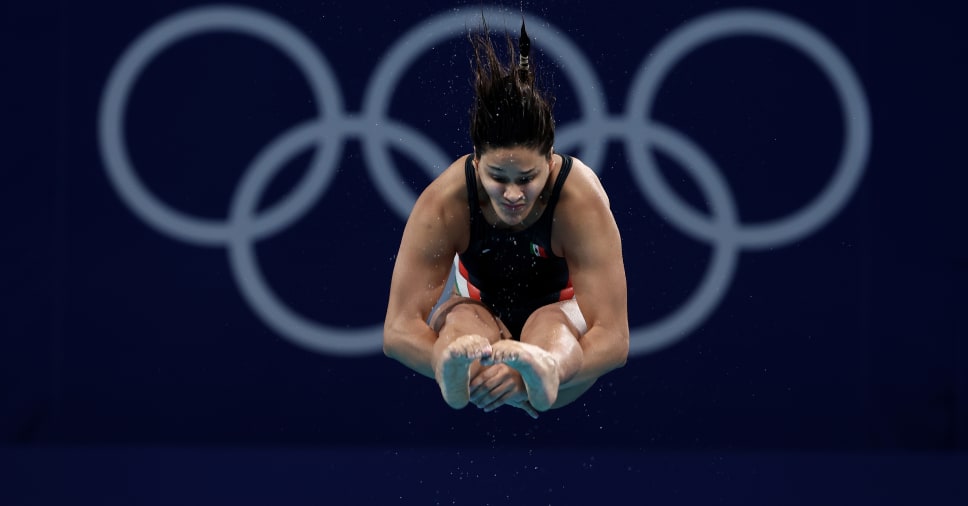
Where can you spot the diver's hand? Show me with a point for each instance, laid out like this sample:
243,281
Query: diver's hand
499,384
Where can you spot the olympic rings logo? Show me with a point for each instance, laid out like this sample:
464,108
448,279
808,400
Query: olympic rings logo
376,130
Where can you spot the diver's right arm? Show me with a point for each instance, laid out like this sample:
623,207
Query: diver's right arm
420,275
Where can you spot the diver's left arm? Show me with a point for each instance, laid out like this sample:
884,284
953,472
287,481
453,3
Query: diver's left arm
590,241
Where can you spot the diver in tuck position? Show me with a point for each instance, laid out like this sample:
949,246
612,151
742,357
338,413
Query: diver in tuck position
539,305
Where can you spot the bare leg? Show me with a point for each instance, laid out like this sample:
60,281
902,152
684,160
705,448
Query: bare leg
466,331
549,353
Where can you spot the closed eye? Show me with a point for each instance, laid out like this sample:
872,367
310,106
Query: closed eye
503,180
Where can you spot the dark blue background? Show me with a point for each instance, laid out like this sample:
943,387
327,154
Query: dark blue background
122,349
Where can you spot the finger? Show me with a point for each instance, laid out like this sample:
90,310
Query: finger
489,378
487,399
497,401
482,392
476,382
483,378
492,400
483,374
529,409
478,397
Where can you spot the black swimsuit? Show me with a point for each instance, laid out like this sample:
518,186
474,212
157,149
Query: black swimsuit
513,272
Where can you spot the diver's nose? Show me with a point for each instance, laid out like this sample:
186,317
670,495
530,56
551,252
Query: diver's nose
513,194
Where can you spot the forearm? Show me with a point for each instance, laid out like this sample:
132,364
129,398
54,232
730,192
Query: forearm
411,344
603,350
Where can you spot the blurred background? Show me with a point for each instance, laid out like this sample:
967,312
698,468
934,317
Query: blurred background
203,202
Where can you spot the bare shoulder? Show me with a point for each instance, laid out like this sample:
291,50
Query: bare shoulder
442,206
583,217
583,188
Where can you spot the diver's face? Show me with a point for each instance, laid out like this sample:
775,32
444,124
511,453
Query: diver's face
513,179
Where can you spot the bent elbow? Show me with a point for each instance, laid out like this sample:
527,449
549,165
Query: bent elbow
389,342
623,357
622,361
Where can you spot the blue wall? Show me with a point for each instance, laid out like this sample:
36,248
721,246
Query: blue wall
204,203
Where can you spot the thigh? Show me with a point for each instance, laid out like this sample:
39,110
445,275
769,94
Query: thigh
565,313
474,308
574,316
558,329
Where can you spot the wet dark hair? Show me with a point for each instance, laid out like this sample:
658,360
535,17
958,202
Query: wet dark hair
509,110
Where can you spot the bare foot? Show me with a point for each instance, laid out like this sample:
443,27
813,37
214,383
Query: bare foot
537,367
453,367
